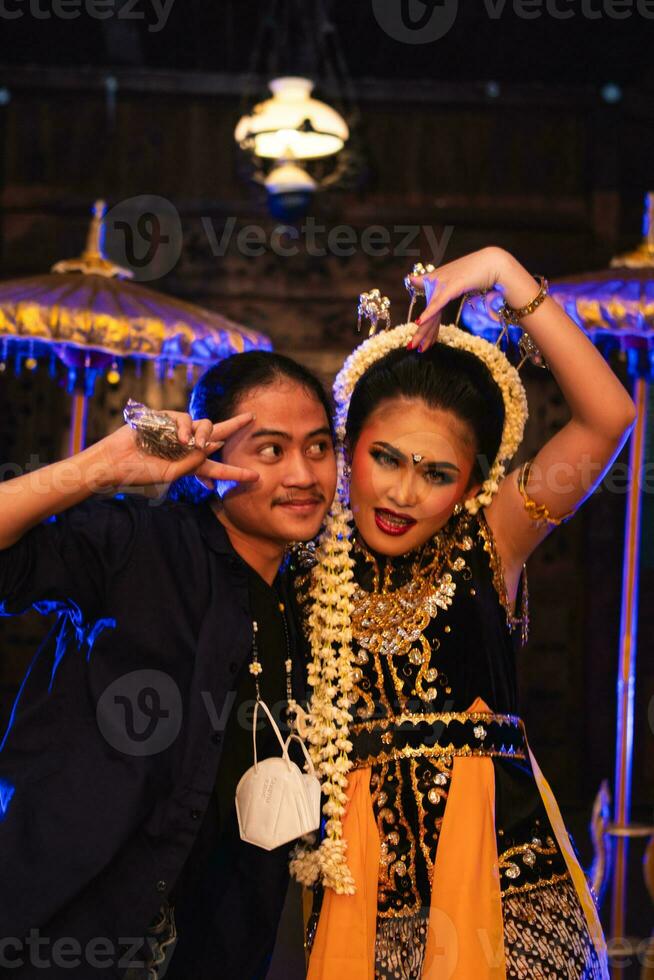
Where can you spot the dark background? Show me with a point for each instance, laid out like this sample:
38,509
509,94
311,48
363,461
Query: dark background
501,132
599,40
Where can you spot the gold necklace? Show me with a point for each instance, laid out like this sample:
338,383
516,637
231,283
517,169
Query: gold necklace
391,621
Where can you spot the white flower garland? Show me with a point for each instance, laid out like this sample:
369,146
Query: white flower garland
330,670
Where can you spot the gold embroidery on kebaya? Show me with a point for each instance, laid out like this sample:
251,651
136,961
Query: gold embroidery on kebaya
431,786
360,688
499,581
446,717
398,848
395,662
396,672
495,749
389,621
533,886
403,868
532,848
438,751
531,856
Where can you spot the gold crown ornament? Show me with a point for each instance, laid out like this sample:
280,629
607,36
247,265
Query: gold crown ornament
418,270
374,307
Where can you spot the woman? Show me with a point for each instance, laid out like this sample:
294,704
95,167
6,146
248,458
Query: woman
445,855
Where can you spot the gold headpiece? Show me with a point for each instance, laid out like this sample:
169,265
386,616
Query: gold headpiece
330,671
418,270
505,375
506,314
375,307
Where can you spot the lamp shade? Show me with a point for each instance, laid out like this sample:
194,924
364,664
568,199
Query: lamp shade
292,125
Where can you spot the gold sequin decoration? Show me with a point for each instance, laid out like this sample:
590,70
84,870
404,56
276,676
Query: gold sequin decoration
397,847
389,622
430,789
499,581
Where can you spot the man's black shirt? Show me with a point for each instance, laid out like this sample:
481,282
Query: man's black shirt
214,872
112,750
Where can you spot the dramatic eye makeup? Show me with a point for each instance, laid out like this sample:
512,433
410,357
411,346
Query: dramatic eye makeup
438,473
383,457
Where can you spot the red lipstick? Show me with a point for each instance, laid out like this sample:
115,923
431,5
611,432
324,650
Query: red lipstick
392,523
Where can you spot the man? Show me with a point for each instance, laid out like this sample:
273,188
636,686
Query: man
109,767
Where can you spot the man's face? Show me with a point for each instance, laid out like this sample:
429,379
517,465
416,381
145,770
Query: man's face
289,444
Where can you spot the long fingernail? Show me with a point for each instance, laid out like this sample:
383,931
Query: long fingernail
201,443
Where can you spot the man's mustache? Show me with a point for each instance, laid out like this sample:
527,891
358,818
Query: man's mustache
313,498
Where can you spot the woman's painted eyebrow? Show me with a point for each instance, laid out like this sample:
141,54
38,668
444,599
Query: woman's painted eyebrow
392,451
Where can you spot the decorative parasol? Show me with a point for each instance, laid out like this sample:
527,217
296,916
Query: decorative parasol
86,314
615,308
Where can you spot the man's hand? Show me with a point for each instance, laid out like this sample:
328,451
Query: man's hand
123,463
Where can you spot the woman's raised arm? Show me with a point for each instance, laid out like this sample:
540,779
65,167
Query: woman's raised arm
570,464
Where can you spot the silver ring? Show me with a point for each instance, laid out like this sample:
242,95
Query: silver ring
156,432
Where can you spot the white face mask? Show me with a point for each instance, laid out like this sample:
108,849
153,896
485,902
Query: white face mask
275,801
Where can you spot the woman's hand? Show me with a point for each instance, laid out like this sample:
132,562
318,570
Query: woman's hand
125,464
476,271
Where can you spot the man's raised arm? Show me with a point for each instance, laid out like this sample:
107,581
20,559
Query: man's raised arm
112,462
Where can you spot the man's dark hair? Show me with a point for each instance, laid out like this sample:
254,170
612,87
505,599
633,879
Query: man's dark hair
218,393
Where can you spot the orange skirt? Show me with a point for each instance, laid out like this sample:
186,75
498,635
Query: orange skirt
465,936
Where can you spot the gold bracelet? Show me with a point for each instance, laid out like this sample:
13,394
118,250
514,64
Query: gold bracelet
510,315
537,512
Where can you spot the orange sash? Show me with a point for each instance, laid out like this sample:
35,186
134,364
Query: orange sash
465,936
344,944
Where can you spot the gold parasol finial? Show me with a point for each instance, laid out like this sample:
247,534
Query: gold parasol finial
642,257
92,261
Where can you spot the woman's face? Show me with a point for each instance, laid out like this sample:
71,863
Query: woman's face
410,466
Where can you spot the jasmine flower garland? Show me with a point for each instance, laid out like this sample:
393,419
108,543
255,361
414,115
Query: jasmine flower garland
331,667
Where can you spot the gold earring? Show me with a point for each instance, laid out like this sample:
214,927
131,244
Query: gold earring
458,508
